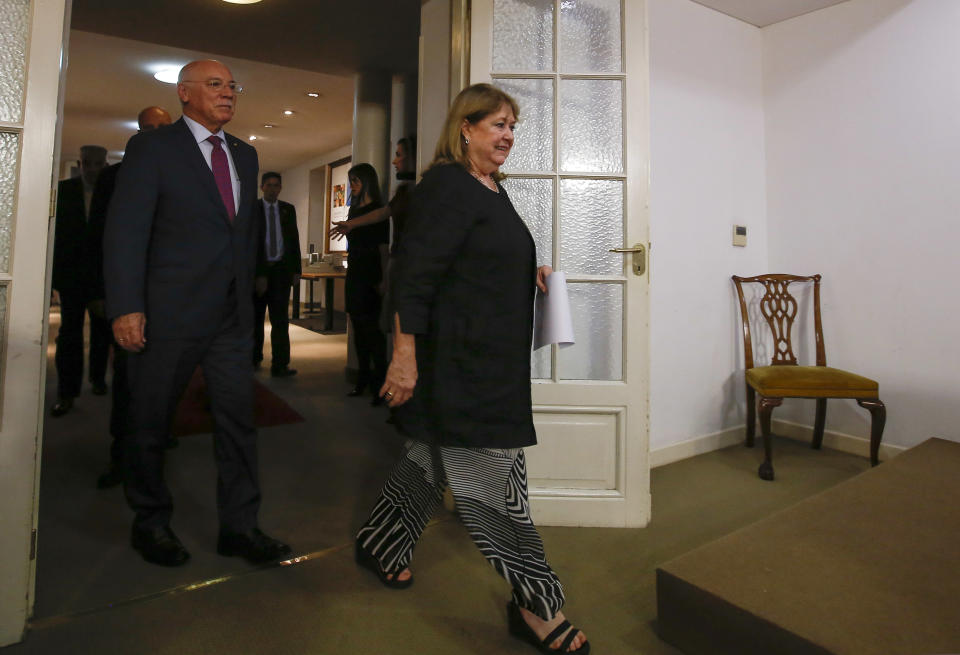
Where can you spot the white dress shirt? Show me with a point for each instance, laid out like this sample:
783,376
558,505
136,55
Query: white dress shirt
201,134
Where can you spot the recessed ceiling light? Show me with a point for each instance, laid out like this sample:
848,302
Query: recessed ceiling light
242,2
168,75
253,137
313,94
288,112
269,125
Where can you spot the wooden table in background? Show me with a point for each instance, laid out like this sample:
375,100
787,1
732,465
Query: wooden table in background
310,277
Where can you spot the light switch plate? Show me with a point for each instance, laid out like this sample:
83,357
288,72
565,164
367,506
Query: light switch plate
740,235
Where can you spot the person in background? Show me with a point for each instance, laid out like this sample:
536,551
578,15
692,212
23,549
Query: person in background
366,259
180,252
463,284
149,118
70,261
278,269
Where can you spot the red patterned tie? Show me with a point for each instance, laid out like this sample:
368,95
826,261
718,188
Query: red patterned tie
221,173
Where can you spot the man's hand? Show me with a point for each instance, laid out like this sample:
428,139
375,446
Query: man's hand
542,274
128,331
260,286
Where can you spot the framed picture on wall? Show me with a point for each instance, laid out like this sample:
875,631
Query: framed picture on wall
338,202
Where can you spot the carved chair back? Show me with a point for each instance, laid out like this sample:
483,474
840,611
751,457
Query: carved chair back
779,307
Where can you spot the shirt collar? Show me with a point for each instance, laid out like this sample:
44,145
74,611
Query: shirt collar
200,133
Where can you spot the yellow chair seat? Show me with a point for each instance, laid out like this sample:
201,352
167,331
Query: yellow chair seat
810,382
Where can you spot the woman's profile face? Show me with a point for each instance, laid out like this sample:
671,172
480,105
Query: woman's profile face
490,139
356,186
400,160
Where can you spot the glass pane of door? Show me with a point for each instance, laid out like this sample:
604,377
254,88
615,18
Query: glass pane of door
14,19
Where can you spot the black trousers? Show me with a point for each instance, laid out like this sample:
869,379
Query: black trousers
69,356
120,421
371,349
158,377
276,299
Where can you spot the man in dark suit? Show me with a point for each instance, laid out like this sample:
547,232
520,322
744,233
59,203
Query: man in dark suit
149,119
278,269
180,250
70,260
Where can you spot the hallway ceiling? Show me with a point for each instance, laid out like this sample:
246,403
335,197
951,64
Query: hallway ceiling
766,12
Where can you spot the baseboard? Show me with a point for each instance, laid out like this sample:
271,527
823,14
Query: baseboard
700,445
845,443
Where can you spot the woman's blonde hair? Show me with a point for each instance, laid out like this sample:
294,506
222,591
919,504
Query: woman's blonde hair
473,104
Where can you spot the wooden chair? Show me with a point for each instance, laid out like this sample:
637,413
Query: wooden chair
784,378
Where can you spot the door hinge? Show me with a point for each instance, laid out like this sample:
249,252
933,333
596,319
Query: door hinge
53,202
33,544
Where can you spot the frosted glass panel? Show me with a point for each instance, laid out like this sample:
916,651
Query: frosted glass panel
541,365
14,21
533,200
9,155
533,147
523,35
591,126
590,36
598,328
591,222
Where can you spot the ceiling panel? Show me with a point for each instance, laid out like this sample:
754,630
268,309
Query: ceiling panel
767,12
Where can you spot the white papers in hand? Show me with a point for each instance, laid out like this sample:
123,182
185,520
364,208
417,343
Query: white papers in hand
552,322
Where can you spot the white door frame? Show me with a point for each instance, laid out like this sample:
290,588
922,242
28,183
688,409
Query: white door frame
571,414
24,354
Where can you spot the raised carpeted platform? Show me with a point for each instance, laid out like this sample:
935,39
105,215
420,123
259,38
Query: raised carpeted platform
871,566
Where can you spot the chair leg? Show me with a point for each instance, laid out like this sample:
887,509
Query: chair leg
766,409
878,419
751,415
819,423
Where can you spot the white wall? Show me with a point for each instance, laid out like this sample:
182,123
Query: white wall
863,146
707,173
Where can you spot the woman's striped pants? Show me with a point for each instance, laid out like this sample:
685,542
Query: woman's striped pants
490,489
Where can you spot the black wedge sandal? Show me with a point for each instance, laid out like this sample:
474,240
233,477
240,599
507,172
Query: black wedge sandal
520,629
368,561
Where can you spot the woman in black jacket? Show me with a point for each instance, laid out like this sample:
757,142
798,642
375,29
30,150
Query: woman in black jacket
463,288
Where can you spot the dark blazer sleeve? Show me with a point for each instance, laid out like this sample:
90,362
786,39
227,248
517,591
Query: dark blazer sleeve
96,222
130,216
437,228
291,238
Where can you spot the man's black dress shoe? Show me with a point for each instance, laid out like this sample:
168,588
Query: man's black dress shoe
357,390
111,478
159,546
284,372
99,388
61,407
254,546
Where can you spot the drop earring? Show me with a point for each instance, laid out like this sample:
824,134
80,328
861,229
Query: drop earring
466,141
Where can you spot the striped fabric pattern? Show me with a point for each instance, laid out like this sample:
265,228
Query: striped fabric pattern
490,489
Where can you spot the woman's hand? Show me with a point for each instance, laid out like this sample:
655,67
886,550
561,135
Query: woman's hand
340,229
402,373
542,274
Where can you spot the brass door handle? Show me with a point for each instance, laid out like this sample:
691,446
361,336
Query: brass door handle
639,252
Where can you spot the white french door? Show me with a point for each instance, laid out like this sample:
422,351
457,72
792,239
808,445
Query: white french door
578,176
31,41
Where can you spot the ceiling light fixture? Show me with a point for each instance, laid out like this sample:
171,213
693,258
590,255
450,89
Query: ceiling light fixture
288,112
253,137
242,2
269,125
167,75
313,94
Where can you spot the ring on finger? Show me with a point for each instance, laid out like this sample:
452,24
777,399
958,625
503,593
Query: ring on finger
388,395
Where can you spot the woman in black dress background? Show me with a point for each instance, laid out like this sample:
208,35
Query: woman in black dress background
366,257
463,284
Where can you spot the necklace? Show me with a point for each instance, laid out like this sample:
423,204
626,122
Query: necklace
484,180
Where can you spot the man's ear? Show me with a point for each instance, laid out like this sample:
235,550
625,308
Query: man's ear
183,93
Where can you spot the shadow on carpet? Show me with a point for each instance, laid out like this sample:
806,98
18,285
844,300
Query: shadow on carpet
193,413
